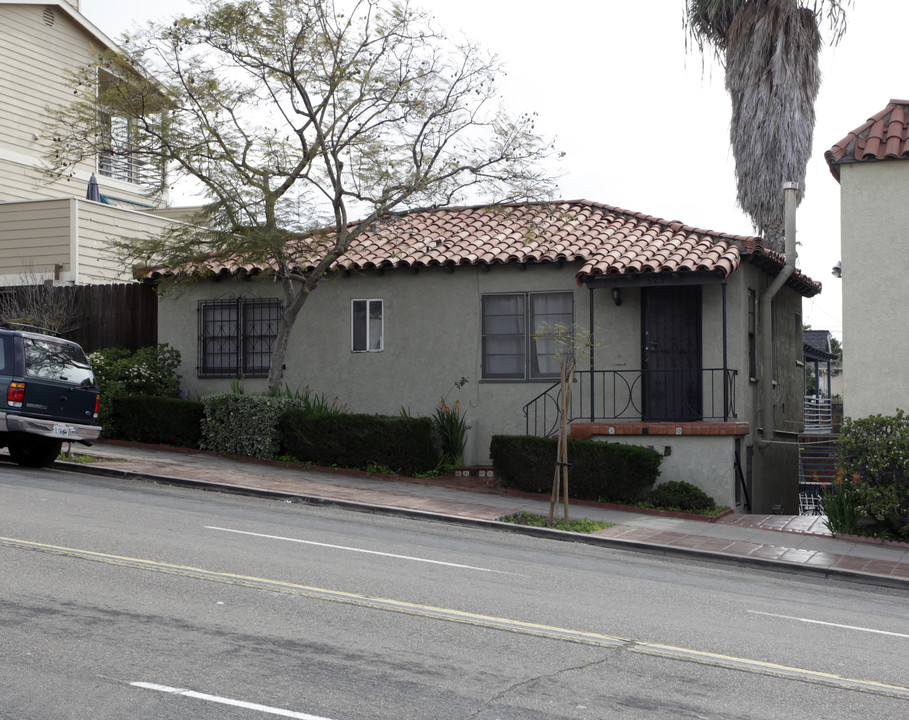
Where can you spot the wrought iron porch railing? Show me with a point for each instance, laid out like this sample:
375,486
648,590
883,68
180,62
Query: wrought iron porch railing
600,395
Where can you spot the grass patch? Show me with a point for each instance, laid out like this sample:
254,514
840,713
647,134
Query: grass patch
714,511
580,526
81,459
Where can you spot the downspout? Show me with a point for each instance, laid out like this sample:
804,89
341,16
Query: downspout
789,194
725,361
592,346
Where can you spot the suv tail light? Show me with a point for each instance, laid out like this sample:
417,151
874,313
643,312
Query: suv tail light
15,394
97,406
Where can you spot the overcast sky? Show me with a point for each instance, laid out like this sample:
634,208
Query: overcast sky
643,124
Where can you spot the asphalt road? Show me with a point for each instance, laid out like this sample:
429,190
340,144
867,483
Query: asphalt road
126,599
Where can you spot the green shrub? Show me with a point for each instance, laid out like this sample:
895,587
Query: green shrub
610,472
238,424
407,445
680,494
874,454
158,420
147,371
121,373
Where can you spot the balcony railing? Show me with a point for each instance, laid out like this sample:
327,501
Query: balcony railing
818,414
601,395
129,169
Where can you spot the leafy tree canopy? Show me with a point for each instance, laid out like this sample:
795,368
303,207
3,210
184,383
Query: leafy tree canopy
294,116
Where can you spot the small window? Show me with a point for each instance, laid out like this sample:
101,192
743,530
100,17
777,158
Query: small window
513,347
366,326
236,336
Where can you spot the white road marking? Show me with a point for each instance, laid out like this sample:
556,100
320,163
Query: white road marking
830,624
227,701
499,623
361,550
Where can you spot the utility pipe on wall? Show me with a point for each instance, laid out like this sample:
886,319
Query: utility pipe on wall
789,196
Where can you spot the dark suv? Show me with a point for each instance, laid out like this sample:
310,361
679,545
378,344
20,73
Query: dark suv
51,396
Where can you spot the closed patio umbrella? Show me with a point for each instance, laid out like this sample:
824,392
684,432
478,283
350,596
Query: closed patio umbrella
93,192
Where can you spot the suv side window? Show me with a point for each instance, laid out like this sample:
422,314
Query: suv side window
56,361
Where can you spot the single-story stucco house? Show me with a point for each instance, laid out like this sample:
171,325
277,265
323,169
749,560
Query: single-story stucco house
430,297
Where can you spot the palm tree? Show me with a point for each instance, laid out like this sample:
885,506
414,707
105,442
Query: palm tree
770,52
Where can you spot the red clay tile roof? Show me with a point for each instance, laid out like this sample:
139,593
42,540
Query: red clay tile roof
606,240
884,136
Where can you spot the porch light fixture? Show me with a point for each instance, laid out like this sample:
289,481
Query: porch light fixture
838,269
617,296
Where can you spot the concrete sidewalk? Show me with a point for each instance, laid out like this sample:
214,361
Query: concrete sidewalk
792,543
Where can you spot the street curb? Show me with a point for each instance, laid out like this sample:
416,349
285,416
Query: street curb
744,561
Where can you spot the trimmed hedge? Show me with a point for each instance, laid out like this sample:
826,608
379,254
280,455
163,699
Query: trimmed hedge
408,445
239,424
157,420
608,472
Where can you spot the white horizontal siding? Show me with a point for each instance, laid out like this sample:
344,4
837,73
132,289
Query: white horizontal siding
34,237
68,238
99,227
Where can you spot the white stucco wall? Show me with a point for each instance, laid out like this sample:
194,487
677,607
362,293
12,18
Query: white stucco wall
702,460
431,340
875,241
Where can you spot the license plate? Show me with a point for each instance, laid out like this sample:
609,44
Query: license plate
63,430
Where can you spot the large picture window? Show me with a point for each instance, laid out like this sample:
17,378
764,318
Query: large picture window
366,326
236,336
514,328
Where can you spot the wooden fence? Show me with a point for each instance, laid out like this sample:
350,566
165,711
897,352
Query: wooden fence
95,316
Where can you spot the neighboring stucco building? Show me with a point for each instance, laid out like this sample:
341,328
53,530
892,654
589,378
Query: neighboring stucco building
870,164
431,297
49,230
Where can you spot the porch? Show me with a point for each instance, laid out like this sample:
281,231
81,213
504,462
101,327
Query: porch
686,395
688,416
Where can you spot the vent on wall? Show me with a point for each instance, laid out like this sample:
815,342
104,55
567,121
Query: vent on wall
48,16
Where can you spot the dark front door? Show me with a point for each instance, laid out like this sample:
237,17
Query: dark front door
671,354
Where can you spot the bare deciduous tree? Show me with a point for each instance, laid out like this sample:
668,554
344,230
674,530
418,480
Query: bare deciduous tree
36,304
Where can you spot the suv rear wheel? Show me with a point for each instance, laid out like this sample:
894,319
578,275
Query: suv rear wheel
34,452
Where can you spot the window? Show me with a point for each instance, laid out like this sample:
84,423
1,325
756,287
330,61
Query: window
510,321
236,336
366,326
119,157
